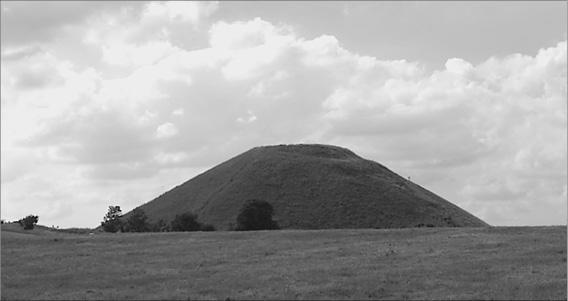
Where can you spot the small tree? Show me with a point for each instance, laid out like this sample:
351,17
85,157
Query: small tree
29,222
137,221
160,226
256,215
185,222
207,227
112,222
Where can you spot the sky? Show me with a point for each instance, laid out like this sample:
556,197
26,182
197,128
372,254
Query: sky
114,103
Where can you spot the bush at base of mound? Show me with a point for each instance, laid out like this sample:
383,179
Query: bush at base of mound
188,222
256,215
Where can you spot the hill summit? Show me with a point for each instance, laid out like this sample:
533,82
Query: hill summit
310,187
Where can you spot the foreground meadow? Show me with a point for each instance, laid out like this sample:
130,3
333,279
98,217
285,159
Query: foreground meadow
421,263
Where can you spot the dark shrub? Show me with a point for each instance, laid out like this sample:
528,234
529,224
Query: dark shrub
207,227
450,222
185,222
137,222
160,226
29,222
112,222
256,215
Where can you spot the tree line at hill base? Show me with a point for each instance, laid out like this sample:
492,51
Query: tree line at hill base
28,222
254,215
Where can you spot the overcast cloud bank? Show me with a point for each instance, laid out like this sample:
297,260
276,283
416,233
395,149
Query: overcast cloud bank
122,106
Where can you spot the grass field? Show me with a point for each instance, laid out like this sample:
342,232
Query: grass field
420,263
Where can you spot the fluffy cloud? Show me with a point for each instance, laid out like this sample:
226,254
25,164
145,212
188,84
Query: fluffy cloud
156,109
166,130
25,23
178,11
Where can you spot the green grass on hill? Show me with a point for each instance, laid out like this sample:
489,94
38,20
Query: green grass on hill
310,186
43,230
421,263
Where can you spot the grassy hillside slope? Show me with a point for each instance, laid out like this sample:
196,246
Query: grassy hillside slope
310,187
420,263
42,230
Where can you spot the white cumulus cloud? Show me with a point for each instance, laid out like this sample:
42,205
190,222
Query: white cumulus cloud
155,109
166,130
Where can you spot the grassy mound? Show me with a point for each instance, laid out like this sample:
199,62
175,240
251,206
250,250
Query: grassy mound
310,187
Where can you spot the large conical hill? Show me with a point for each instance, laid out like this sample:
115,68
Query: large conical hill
310,187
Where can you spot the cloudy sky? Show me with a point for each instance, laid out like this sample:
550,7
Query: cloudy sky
114,103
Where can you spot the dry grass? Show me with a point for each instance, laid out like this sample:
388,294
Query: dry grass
424,263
